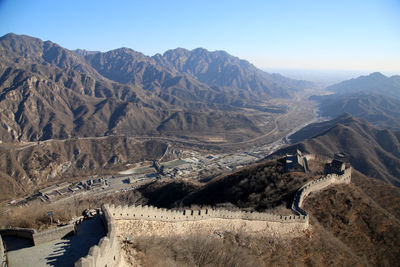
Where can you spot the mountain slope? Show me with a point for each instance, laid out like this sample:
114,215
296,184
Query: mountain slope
218,68
374,152
25,169
375,82
21,48
49,92
258,187
382,111
361,218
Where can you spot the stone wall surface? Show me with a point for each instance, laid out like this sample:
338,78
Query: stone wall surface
144,228
107,252
41,237
19,232
53,234
150,213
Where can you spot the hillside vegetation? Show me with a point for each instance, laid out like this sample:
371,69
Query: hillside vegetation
259,187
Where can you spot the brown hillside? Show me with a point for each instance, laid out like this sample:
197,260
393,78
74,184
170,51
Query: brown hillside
38,165
363,217
374,152
351,225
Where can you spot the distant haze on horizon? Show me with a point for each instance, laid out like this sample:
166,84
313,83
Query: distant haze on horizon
358,36
323,77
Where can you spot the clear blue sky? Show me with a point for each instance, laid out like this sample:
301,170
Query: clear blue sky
320,34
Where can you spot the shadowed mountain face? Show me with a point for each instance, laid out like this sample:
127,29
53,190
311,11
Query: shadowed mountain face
375,98
374,152
259,187
50,92
382,111
375,83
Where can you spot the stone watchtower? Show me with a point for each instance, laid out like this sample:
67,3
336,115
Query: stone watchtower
295,162
340,162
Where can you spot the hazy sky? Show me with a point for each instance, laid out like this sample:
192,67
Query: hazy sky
349,34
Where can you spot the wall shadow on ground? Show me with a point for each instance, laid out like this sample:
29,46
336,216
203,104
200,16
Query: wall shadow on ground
15,243
72,248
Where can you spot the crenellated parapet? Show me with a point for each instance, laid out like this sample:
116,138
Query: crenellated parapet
158,214
317,185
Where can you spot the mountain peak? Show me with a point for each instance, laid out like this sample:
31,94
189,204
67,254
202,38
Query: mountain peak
375,82
200,50
84,52
376,74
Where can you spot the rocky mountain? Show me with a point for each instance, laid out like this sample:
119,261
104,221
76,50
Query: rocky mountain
84,52
374,152
218,68
34,166
49,92
380,110
375,83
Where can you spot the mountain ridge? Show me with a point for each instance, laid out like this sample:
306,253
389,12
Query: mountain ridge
374,152
116,92
378,109
375,82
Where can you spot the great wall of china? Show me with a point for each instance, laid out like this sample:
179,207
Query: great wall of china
155,220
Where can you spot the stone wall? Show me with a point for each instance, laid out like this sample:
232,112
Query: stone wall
151,221
42,237
208,227
150,213
53,234
107,252
147,220
19,232
318,185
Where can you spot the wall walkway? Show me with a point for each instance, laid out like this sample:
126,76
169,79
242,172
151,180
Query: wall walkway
107,253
